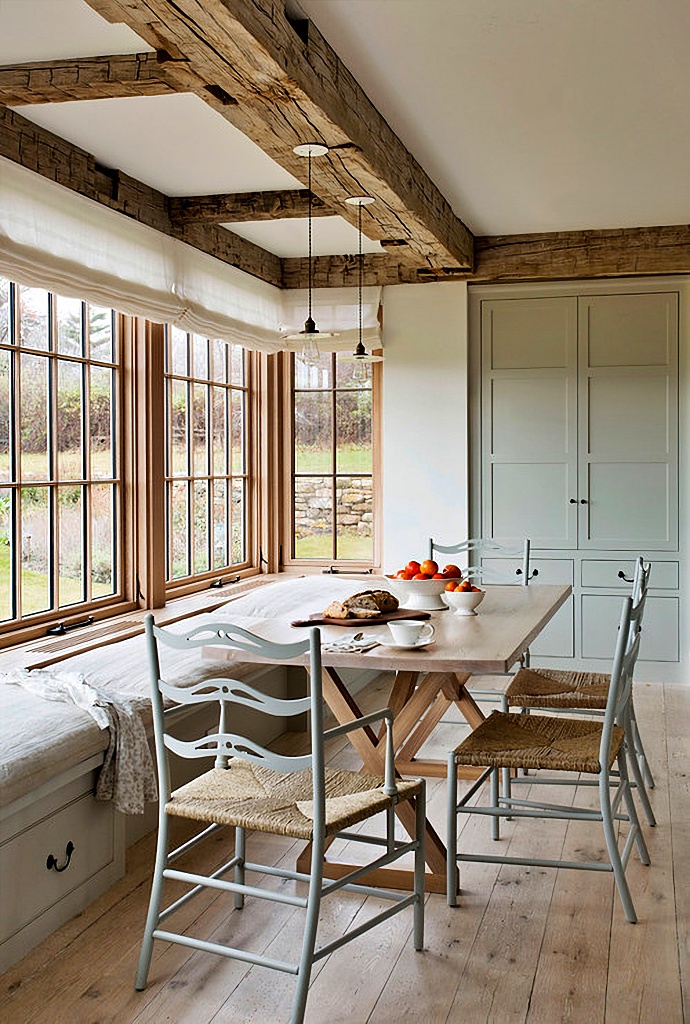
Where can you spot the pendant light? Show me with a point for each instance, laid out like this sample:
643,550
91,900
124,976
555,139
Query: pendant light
360,354
309,352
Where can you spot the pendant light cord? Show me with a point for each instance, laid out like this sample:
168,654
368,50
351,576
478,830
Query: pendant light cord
309,220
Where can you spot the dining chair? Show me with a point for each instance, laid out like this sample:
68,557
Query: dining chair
567,691
251,788
559,744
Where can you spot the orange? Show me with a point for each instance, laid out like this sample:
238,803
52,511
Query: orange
452,572
413,567
421,576
428,567
451,586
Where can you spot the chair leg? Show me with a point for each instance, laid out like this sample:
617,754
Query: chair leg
451,831
495,820
640,843
639,750
310,928
639,780
154,904
612,847
240,846
419,868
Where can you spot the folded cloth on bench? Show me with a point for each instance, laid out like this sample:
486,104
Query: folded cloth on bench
127,776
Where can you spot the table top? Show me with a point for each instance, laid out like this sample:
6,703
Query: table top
507,622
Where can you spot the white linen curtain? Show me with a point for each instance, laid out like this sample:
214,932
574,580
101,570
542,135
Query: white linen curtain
53,238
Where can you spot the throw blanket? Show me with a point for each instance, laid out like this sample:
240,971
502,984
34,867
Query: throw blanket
127,775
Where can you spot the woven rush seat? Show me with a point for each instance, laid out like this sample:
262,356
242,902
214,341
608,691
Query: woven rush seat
557,688
537,741
256,798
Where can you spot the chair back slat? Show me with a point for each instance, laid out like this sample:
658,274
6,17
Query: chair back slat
236,692
228,744
482,546
625,657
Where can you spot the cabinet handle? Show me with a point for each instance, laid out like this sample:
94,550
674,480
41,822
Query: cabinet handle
622,576
583,501
52,864
573,501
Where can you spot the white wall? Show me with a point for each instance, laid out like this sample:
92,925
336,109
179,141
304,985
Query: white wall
425,484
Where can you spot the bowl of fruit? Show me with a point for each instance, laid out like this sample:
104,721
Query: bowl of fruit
463,598
420,585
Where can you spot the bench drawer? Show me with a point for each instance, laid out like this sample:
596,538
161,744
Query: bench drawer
30,888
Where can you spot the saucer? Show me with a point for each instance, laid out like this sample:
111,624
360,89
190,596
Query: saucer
424,642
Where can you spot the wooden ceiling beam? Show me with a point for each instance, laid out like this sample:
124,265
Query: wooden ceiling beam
85,78
45,153
247,206
283,85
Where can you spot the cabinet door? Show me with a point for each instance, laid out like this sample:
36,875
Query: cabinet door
628,354
660,632
529,420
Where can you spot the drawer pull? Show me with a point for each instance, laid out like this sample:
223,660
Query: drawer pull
52,864
622,576
518,572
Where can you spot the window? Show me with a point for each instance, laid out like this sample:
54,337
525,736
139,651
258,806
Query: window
332,486
60,453
206,478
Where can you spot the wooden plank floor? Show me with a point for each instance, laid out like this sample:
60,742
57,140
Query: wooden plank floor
525,945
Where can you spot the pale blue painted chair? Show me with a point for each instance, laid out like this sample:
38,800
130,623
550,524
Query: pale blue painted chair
252,788
559,744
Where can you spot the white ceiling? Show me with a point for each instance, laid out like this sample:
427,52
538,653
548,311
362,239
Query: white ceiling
530,115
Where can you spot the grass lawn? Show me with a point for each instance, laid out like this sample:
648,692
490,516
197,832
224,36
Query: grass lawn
35,588
349,546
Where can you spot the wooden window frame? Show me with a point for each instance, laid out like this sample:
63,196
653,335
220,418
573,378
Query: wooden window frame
286,516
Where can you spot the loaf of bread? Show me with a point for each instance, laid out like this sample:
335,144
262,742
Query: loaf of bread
367,604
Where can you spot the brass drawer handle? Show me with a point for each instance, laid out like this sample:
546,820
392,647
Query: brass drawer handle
52,864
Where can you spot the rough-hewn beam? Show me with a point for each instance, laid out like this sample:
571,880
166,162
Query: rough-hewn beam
38,149
84,78
282,88
247,206
580,254
342,271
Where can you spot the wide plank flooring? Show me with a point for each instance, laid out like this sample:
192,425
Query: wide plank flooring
524,945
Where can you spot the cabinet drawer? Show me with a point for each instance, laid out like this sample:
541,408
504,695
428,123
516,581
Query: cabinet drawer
29,887
550,570
660,631
603,572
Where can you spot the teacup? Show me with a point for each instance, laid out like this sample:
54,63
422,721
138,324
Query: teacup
408,632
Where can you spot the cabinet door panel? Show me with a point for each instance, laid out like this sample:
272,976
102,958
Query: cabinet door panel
629,414
630,330
628,507
529,436
601,615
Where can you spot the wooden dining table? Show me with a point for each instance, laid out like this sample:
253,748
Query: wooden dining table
429,680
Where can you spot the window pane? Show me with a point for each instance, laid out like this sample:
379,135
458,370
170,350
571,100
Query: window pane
103,518
219,428
313,517
200,457
237,412
220,524
4,311
178,427
201,526
6,553
178,531
200,350
69,421
355,518
178,350
239,521
219,352
101,334
353,423
69,328
34,417
313,433
35,571
70,546
238,364
101,422
34,318
6,416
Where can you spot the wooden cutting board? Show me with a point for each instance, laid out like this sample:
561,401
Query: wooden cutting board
319,619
